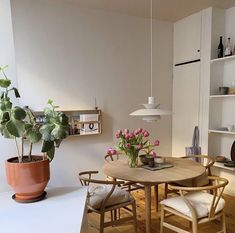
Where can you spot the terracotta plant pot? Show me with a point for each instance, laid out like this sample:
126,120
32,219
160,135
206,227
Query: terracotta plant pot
28,179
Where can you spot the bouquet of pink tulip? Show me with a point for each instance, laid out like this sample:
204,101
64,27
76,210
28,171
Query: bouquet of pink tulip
131,143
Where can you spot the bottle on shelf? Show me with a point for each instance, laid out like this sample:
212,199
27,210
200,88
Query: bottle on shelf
228,48
221,48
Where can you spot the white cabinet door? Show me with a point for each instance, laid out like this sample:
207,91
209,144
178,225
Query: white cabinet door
187,38
185,106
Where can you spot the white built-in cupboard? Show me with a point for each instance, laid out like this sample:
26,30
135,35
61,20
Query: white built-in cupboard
196,85
186,81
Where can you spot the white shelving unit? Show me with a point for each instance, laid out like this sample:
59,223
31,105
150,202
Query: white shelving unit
221,165
222,96
223,59
221,112
221,132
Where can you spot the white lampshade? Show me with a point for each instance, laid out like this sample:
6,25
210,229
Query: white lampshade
151,112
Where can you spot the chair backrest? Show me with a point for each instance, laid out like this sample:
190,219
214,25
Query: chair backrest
110,158
204,160
217,186
86,179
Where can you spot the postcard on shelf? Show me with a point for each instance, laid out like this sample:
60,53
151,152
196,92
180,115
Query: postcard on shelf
90,125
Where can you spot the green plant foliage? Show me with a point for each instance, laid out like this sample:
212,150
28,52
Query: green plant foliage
5,83
54,129
15,127
18,122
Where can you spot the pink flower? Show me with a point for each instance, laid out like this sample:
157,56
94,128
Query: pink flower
127,136
128,145
111,151
146,133
156,143
119,133
153,154
138,131
138,147
131,135
126,131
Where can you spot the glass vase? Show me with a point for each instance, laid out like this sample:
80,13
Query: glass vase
132,159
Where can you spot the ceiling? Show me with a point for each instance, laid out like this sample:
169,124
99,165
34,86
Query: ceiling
170,10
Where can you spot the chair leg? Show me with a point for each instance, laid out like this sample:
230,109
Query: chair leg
162,218
194,225
134,215
166,191
156,195
223,223
102,222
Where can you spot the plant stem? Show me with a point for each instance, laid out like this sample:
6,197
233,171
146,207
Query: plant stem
22,147
30,150
18,151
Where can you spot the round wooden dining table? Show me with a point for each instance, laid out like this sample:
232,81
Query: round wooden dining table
182,169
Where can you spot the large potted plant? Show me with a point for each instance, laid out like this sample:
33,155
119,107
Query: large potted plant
28,174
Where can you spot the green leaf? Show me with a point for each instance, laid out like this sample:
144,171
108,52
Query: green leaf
5,117
18,113
28,126
47,145
51,153
15,127
46,130
34,135
17,94
3,68
6,133
64,120
50,102
5,83
5,105
59,132
58,142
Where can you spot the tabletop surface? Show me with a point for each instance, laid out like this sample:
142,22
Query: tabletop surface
61,212
182,169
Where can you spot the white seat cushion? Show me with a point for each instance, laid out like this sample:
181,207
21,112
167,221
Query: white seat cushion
201,201
97,193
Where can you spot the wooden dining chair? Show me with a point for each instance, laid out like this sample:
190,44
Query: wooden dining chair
204,160
197,206
127,185
105,196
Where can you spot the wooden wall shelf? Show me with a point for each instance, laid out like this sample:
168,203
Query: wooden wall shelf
82,122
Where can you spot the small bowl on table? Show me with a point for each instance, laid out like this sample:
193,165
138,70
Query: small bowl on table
159,159
146,159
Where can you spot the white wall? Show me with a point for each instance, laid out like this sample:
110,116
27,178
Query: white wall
7,57
72,54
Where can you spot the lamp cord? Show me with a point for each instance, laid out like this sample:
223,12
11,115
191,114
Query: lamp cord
151,47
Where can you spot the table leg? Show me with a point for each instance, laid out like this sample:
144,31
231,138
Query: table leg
148,207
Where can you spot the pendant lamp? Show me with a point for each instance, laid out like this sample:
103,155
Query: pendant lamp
151,111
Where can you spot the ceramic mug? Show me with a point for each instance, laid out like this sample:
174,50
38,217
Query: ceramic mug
230,128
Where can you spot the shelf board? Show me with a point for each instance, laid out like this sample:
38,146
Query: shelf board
88,122
221,96
81,135
221,132
223,59
221,165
